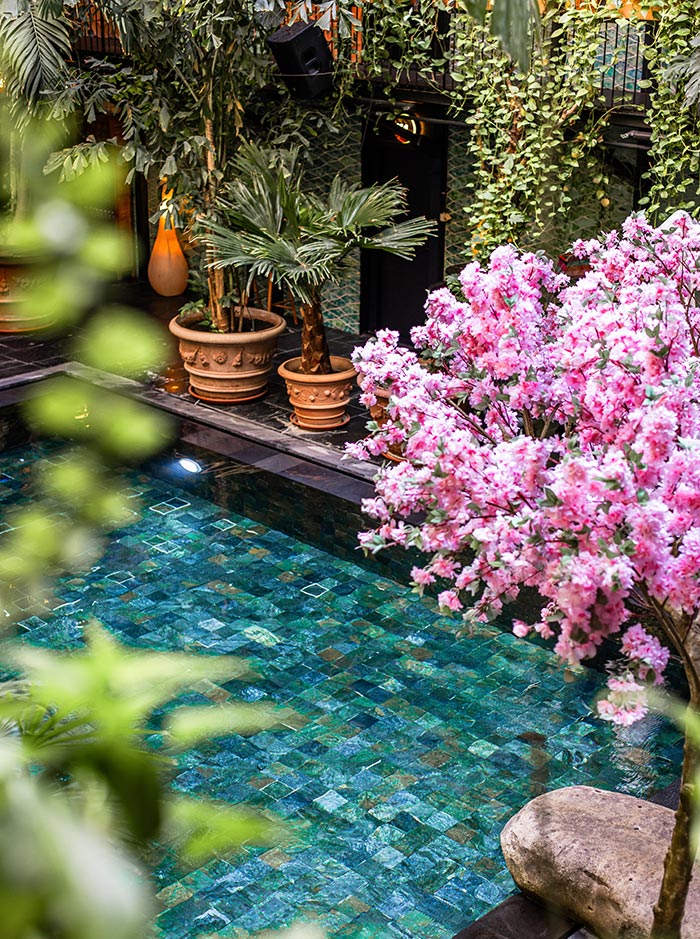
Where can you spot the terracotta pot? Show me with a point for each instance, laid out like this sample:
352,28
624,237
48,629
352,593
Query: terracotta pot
14,315
319,401
378,413
227,368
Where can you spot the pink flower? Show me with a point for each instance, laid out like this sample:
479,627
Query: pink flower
625,702
448,600
421,577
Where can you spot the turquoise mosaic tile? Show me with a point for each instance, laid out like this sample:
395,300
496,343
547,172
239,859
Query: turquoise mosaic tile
413,748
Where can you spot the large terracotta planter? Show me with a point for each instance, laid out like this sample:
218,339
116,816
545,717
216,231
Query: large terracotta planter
319,401
227,368
15,317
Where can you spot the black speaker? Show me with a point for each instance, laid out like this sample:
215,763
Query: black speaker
304,59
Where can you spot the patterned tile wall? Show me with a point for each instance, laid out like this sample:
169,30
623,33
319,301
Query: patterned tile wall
457,230
333,155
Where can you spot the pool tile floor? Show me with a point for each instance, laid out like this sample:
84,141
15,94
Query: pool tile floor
411,750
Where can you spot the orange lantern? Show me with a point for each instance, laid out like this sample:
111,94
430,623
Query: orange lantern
168,270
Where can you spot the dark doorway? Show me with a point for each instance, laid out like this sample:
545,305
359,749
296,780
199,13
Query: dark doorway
414,151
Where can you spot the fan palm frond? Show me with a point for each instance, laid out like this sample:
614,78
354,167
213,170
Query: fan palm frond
34,49
372,207
401,239
272,228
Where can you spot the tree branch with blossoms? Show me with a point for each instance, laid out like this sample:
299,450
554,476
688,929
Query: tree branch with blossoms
551,438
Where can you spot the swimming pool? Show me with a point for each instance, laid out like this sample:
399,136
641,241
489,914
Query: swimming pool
416,747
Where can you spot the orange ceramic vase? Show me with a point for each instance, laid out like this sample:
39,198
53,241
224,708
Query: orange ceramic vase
168,269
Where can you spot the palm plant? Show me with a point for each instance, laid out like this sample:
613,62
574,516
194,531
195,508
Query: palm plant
35,44
273,229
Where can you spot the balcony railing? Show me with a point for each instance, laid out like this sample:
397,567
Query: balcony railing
622,63
623,67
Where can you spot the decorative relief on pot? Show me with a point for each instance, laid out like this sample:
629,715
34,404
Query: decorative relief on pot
259,359
4,283
222,368
311,395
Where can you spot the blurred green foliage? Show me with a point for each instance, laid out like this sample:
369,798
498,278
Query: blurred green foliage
88,738
74,250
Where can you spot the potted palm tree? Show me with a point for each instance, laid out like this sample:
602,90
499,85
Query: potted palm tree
227,344
273,229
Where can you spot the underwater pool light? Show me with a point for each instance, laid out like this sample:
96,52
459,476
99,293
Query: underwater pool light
190,466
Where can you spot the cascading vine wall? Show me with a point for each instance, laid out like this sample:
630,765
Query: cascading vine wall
531,134
675,149
539,176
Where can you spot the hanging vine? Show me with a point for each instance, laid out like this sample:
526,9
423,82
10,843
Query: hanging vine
675,141
530,133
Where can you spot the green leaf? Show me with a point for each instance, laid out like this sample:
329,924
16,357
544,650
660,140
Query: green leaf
131,430
67,873
189,726
121,341
61,408
515,23
207,828
551,499
114,684
107,250
35,49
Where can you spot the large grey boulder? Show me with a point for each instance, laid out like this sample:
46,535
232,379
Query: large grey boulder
598,857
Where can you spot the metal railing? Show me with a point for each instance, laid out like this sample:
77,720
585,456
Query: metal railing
93,33
623,66
621,60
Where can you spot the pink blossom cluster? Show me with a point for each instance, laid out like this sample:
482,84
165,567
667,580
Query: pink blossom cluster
626,701
551,433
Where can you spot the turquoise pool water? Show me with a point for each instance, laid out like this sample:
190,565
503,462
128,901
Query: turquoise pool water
417,747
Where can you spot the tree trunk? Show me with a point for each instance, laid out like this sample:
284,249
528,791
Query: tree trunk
678,866
215,283
315,358
215,277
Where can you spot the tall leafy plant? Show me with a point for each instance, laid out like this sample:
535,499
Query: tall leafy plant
180,101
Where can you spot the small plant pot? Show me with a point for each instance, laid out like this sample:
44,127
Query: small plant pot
319,401
378,413
229,368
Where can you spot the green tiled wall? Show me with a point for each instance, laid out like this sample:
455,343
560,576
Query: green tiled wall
457,230
333,155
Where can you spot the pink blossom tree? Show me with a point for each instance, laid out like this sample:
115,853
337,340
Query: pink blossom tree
551,434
